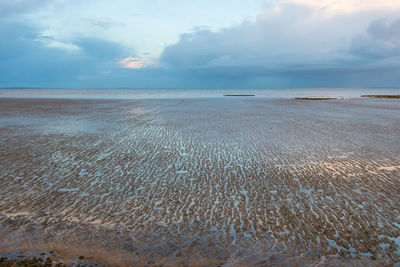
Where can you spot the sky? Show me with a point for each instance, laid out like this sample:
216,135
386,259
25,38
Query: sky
199,44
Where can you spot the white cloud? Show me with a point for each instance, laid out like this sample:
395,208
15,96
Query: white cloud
69,47
62,45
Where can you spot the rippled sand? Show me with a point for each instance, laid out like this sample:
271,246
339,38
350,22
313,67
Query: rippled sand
233,181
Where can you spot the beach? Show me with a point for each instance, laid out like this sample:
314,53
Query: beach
201,180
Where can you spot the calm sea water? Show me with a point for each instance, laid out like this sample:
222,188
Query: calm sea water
190,93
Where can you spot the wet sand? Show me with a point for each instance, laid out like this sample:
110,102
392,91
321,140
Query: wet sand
233,181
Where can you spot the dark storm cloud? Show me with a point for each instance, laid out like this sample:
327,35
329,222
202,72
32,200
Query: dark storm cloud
16,40
293,49
385,30
100,49
276,42
26,58
380,42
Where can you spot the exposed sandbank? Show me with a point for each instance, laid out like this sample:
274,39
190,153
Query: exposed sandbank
382,96
239,95
315,98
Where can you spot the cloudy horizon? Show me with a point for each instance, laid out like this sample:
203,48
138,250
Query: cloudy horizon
183,44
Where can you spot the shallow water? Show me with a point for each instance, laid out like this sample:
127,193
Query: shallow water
281,93
202,180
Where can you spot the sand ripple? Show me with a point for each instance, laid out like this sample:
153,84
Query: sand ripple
300,181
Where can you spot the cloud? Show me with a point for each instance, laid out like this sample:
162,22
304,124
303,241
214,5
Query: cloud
380,42
13,7
25,61
15,40
102,49
52,43
293,44
386,30
289,39
334,7
105,22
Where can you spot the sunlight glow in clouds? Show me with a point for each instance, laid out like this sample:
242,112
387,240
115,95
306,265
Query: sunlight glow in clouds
333,7
132,63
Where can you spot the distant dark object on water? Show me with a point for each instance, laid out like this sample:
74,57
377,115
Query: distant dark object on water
238,95
315,98
382,96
